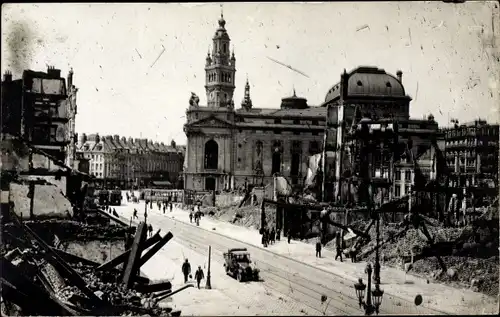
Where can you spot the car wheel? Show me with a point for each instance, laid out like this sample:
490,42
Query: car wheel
239,277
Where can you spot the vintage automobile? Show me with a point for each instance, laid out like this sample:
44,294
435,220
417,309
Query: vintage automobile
239,265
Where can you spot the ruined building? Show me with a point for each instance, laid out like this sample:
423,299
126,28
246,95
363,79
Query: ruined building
41,110
369,94
228,147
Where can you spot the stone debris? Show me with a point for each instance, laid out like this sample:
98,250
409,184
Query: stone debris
53,282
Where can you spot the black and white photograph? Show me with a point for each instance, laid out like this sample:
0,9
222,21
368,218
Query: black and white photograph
250,158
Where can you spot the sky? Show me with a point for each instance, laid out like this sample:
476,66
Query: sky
447,53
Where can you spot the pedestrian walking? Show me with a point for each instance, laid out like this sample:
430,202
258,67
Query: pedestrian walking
278,233
135,214
289,235
171,207
272,236
186,270
199,276
318,248
150,230
338,244
191,217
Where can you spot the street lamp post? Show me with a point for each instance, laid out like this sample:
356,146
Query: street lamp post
373,297
209,282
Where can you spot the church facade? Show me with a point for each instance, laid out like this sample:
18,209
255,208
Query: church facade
228,147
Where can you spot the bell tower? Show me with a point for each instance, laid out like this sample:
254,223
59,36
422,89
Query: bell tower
220,70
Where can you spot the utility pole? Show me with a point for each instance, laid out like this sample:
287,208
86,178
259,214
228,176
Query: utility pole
209,284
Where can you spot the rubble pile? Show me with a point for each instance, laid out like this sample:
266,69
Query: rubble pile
246,216
39,278
470,253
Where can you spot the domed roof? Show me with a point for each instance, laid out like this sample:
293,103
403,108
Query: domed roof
369,81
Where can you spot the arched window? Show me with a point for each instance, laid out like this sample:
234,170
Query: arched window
211,155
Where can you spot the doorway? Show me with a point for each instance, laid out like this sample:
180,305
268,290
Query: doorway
210,183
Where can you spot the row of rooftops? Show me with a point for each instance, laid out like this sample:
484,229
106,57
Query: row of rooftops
108,143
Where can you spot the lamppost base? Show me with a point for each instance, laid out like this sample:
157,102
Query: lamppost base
209,284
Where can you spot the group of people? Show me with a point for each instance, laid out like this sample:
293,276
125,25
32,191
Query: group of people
186,270
270,236
196,214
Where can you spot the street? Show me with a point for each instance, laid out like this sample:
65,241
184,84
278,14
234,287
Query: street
303,283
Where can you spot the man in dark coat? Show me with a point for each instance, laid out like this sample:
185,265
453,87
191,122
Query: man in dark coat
135,214
150,230
338,244
198,276
186,270
289,235
318,248
272,237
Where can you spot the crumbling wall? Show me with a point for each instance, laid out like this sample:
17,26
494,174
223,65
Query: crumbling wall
227,199
97,251
48,202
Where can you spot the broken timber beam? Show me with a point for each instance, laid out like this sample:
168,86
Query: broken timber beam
102,212
174,292
156,287
124,256
37,301
62,267
155,249
132,265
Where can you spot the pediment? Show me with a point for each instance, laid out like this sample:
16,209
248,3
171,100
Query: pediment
211,121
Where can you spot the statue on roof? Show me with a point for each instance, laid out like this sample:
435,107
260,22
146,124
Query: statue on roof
194,100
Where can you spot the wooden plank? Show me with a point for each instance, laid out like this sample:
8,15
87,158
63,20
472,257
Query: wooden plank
131,267
155,249
36,301
64,269
68,257
125,255
156,287
174,292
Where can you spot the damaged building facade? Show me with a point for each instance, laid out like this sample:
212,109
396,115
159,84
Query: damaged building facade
125,162
371,97
41,109
228,148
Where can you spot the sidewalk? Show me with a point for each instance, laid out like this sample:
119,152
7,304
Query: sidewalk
394,281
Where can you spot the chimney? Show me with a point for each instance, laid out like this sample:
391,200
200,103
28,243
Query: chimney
130,140
400,76
116,138
173,144
7,76
53,72
70,78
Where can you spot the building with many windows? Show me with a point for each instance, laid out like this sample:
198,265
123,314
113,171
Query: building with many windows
228,147
472,153
129,162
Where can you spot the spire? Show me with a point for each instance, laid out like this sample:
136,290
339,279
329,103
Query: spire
247,101
222,22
